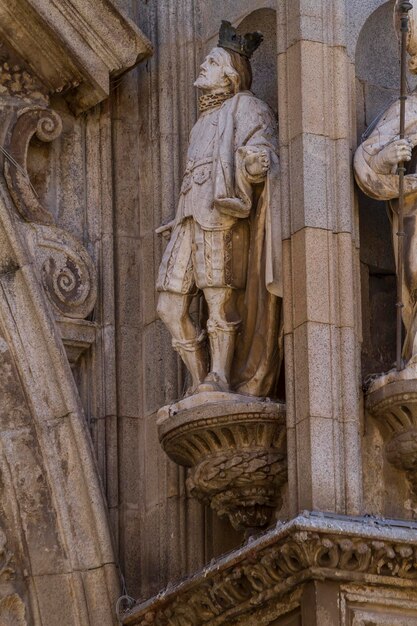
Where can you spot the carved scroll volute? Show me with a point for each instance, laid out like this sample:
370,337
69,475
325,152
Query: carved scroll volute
66,269
47,126
68,273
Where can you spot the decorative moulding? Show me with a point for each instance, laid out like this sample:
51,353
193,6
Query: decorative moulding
236,448
268,571
73,46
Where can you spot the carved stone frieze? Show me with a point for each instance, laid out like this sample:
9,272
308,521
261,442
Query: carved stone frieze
395,408
235,446
267,569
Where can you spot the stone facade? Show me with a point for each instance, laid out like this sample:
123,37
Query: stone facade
99,522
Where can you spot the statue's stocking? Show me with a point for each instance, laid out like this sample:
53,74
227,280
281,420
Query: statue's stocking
194,355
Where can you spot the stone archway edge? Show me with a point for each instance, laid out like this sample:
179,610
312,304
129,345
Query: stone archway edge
81,518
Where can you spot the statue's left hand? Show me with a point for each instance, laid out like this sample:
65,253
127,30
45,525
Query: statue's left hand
257,163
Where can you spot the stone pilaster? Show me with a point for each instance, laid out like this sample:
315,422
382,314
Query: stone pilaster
320,258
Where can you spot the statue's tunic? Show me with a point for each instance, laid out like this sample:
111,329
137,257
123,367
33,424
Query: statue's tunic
210,241
200,250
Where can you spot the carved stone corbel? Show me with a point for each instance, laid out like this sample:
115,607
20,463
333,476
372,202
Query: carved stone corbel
65,268
395,408
236,449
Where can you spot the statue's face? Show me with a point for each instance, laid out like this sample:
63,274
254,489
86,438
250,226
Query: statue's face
213,71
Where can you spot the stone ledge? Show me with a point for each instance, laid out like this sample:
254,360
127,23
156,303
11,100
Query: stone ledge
313,546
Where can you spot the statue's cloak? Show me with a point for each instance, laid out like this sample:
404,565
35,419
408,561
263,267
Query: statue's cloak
384,186
246,123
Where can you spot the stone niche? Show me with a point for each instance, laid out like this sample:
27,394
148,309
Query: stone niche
234,441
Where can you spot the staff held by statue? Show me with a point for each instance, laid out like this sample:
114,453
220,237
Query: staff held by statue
404,8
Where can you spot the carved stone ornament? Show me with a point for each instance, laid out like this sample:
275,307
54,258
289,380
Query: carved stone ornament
73,46
47,126
12,608
65,267
67,271
395,408
236,449
12,611
267,570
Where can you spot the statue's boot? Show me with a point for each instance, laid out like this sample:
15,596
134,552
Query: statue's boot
222,337
194,355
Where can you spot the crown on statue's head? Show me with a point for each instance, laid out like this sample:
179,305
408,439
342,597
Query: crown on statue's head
242,44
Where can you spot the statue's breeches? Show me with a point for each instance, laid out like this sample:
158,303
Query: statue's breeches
196,259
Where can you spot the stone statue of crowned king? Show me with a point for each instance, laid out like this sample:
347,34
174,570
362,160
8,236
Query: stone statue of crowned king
225,240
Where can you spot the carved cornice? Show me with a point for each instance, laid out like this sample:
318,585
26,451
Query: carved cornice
73,46
269,568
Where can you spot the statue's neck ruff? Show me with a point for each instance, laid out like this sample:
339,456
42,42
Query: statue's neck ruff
210,100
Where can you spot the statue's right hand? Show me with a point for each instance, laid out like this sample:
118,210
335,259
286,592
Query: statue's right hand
386,161
165,229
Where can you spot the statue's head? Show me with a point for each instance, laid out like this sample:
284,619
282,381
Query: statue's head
227,66
224,70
